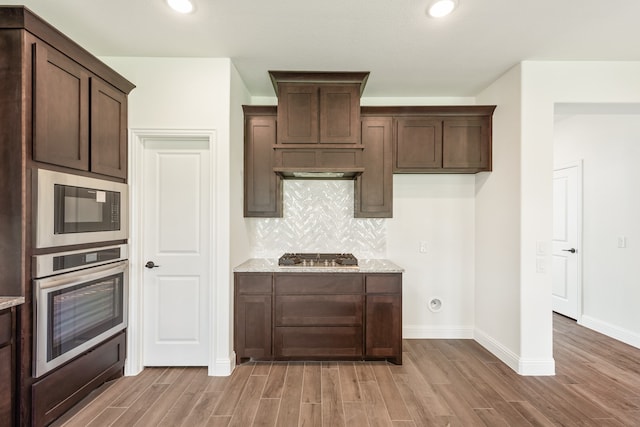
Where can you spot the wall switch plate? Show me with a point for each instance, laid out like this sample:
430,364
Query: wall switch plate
541,248
622,242
422,247
541,265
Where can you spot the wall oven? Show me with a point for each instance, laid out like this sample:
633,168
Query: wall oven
73,209
81,299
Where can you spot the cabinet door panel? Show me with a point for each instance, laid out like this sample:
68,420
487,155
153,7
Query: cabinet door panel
384,326
6,385
253,326
419,144
7,363
297,113
6,327
374,188
340,114
108,130
466,143
61,110
262,186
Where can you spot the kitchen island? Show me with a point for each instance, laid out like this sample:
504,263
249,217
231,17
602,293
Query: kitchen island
318,312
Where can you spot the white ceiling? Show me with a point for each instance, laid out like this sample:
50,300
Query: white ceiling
407,53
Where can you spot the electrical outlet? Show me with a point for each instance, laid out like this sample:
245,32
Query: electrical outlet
422,247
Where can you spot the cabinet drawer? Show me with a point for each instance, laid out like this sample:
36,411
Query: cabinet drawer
389,283
319,310
327,342
6,327
314,283
62,389
250,283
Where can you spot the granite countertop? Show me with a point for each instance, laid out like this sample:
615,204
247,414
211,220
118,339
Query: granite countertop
8,302
260,265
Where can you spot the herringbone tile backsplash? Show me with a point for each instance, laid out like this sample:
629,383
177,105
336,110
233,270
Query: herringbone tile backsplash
318,217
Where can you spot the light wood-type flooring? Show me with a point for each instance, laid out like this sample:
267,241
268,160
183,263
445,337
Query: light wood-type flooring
441,383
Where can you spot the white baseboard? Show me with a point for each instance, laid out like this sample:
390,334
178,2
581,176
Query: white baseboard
439,332
613,331
223,367
533,367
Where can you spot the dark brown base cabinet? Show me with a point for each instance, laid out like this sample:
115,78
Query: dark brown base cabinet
318,316
7,367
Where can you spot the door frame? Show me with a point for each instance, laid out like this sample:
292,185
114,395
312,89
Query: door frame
579,165
137,137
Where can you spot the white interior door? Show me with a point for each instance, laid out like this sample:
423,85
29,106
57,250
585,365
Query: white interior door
176,232
566,211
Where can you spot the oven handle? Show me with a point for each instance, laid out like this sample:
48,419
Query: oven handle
65,280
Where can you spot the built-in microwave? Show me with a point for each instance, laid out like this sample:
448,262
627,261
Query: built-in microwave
73,209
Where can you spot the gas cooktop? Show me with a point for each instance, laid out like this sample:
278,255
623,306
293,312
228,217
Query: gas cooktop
317,260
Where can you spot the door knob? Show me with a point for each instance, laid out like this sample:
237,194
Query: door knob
151,264
572,250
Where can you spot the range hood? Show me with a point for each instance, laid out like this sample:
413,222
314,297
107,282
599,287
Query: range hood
318,162
335,173
319,131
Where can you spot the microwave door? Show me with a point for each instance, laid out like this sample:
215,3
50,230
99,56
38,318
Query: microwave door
73,209
85,210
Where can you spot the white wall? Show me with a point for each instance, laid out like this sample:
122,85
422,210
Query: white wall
195,94
609,146
439,210
544,84
529,93
497,226
240,244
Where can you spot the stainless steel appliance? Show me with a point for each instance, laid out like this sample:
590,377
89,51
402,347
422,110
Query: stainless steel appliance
73,209
81,299
317,260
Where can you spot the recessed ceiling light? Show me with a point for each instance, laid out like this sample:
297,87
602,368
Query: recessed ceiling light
181,6
440,8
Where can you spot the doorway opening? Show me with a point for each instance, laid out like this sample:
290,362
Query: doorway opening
605,139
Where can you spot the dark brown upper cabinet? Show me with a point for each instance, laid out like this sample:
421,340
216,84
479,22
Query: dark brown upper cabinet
439,139
79,120
318,107
374,187
262,186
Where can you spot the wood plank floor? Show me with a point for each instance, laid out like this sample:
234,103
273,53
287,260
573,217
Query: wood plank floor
441,383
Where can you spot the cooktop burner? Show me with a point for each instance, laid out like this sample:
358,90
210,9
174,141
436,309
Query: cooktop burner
317,260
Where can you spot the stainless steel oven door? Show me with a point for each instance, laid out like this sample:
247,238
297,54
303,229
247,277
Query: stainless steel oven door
74,209
76,311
